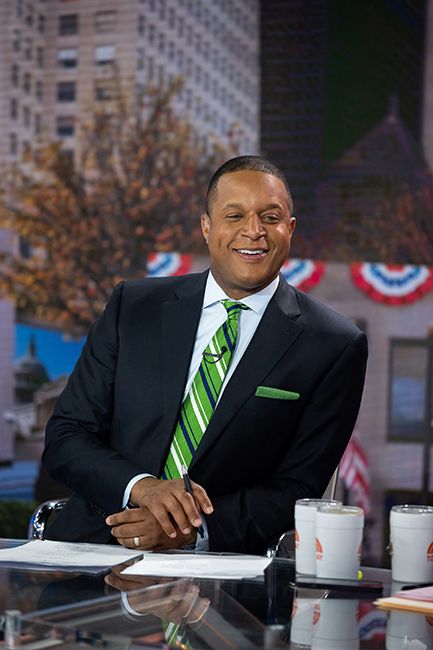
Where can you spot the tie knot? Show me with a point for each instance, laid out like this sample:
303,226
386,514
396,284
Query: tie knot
233,308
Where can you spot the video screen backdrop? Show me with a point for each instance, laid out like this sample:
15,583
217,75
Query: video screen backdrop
112,125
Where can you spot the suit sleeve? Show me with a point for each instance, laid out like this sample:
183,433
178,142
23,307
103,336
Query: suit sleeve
249,519
77,451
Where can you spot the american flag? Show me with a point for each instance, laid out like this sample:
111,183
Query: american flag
355,475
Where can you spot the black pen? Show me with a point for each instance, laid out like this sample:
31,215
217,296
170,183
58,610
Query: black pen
188,488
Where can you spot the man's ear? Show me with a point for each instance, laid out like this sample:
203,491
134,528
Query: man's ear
205,225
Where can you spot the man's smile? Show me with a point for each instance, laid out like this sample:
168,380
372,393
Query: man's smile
251,254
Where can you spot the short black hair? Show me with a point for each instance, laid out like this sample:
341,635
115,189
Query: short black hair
240,163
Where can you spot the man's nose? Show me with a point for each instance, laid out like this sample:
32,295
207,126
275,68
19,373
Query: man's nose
253,226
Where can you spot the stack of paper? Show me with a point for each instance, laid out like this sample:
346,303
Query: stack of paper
199,566
67,556
413,600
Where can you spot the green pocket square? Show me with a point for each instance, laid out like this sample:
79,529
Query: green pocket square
275,393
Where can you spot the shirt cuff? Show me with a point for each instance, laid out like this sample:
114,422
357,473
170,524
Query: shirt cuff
129,487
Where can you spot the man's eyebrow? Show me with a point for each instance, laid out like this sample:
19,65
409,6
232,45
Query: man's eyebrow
239,206
236,206
272,206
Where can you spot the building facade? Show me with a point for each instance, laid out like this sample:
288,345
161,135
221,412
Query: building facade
57,59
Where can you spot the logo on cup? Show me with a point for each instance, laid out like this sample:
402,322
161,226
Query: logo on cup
319,550
430,553
316,614
296,539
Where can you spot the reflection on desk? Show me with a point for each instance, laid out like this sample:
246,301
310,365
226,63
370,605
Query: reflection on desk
51,608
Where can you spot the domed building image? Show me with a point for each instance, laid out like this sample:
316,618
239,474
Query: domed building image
30,374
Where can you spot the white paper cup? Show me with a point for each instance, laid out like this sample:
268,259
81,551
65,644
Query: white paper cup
408,630
339,541
305,533
302,620
411,543
336,625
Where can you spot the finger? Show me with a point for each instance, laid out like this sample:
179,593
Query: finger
183,510
190,508
128,515
201,498
160,513
134,529
128,542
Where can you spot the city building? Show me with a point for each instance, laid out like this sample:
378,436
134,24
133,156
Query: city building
57,59
293,40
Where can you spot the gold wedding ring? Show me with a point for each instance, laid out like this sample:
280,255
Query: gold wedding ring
136,541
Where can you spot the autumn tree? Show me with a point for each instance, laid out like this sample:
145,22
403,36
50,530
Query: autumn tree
396,228
137,185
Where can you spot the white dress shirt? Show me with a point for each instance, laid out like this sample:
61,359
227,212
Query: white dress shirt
213,315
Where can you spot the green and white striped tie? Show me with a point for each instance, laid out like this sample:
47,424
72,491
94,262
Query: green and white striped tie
202,397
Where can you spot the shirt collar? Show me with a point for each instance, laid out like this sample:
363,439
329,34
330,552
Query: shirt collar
256,301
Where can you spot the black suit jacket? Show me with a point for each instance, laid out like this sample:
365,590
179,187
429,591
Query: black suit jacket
117,415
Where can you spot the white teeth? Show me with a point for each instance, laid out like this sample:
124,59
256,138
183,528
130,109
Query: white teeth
258,251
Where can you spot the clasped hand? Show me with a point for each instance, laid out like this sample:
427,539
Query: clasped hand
165,515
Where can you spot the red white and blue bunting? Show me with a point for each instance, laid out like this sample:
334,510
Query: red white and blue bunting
164,264
303,274
392,284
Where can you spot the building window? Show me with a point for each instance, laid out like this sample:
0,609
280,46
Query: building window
40,57
39,91
13,109
103,91
67,58
18,8
151,37
141,25
161,42
15,75
105,21
150,69
13,144
27,83
16,41
66,91
65,126
26,116
68,24
41,24
105,54
38,124
408,389
29,16
171,18
28,49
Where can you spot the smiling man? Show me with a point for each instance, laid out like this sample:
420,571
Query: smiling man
234,374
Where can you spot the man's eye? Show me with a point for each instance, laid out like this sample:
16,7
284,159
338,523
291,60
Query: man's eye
270,218
233,217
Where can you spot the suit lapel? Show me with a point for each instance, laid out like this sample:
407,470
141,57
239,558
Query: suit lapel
277,331
180,318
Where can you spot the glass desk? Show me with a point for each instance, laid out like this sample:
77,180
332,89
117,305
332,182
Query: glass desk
44,609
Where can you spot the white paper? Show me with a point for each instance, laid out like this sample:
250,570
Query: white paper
68,555
199,566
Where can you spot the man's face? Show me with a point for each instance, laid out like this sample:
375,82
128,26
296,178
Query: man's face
248,231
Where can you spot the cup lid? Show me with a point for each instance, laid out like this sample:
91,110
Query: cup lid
306,508
338,516
409,509
412,516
